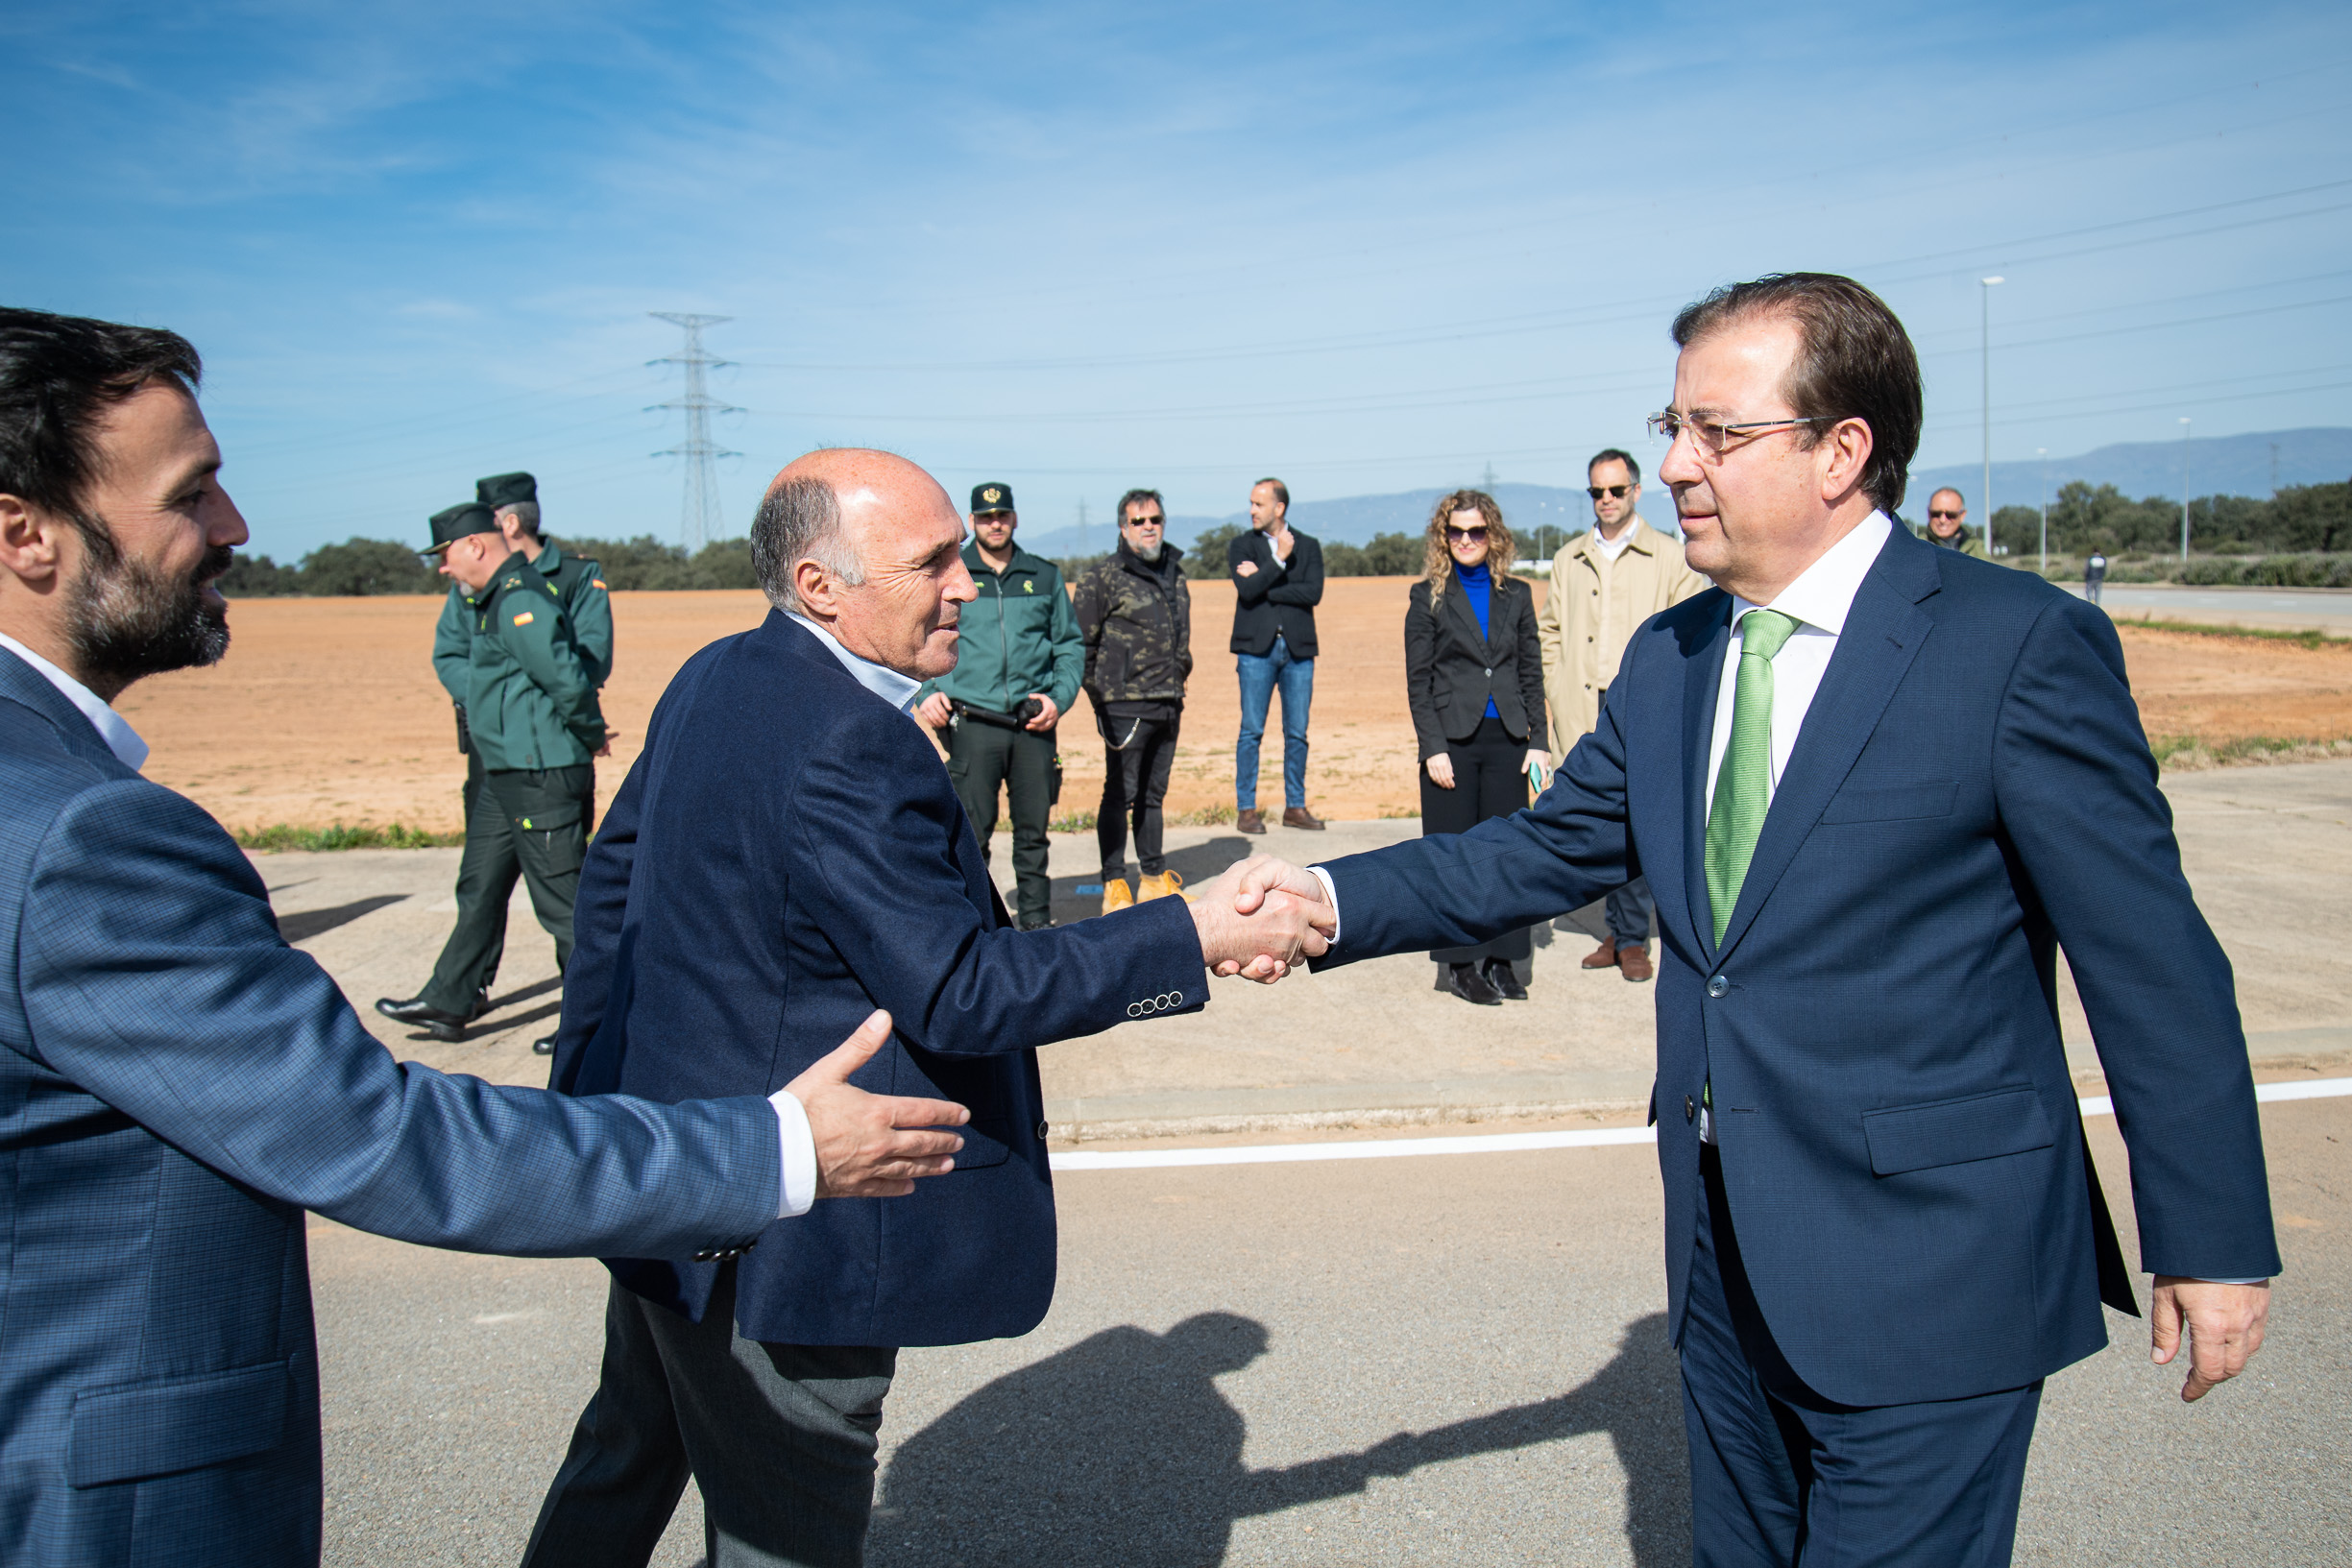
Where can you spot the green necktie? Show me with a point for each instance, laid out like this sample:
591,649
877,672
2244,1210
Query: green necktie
1743,785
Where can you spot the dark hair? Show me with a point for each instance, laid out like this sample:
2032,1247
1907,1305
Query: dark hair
1854,362
1137,497
58,375
1612,454
799,520
1282,491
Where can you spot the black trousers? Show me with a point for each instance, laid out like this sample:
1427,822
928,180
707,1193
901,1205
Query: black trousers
1134,785
1489,780
984,757
779,1438
531,823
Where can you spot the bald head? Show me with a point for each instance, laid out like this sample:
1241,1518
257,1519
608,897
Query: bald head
864,543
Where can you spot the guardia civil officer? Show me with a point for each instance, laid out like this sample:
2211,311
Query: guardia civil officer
1017,672
533,725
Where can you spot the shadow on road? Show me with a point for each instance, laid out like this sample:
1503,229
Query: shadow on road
310,923
1121,1451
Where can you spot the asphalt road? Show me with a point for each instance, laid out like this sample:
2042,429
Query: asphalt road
2321,609
1234,1350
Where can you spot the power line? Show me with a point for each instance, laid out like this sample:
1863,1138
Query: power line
700,516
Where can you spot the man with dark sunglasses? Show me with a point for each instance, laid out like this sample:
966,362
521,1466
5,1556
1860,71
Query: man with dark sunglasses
1605,582
1948,523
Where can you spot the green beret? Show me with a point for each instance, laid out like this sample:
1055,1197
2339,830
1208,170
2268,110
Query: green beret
457,523
505,489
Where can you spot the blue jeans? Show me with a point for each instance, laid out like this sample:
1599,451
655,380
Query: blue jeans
1259,676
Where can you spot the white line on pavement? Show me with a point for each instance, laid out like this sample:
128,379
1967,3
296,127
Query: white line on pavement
1507,1143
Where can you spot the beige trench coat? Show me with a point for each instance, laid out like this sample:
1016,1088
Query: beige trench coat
1591,613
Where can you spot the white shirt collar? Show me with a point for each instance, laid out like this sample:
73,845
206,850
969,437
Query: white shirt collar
885,683
121,739
1824,591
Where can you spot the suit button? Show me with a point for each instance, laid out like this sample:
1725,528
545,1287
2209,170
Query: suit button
1044,1128
1690,1109
1718,985
1490,672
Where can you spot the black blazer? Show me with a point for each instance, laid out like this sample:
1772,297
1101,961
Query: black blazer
1451,671
1278,596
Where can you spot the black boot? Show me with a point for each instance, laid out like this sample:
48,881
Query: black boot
1504,979
1464,981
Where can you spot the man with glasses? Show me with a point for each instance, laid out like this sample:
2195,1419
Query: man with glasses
1605,582
1948,523
1874,788
1135,615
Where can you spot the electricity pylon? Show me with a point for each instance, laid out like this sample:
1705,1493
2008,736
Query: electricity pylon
700,516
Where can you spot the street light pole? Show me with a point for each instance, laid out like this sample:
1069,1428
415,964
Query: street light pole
1984,296
2043,452
2184,487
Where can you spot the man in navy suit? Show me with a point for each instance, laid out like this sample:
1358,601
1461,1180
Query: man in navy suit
177,1085
1874,785
789,851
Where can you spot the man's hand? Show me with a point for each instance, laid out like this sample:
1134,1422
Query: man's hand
1440,770
862,1147
1047,715
934,712
2224,1324
1247,569
1277,927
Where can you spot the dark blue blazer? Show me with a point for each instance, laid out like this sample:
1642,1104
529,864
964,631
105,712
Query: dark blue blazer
177,1086
1897,1129
786,855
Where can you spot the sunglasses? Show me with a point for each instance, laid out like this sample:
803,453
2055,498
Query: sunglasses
1453,532
1612,491
1931,512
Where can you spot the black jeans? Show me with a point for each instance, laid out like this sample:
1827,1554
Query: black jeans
1489,780
531,823
1134,784
984,757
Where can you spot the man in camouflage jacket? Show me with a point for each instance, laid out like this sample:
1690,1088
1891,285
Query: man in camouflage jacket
1135,614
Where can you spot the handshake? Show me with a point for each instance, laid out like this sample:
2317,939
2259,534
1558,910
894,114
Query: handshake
1262,917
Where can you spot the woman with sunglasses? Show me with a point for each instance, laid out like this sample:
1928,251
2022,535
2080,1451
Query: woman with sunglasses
1474,680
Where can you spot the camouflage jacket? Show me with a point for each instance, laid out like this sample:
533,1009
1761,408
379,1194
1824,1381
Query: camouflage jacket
1137,619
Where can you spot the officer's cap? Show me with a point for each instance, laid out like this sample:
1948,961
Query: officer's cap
505,489
456,523
992,498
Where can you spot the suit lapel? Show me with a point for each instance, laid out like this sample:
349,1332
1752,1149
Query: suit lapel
1882,635
1702,680
21,683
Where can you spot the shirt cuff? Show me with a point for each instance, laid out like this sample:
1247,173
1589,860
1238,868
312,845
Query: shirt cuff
1331,897
2264,1280
799,1150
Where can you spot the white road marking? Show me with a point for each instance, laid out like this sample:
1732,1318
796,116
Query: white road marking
1508,1142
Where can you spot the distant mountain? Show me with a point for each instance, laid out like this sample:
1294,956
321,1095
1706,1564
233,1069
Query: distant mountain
2222,466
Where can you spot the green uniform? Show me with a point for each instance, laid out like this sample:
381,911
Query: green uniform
1965,542
529,696
1019,637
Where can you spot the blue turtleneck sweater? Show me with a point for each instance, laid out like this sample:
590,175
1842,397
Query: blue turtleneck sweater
1478,586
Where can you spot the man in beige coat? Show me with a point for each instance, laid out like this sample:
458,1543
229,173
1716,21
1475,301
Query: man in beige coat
1605,583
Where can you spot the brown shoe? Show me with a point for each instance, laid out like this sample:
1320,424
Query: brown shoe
1299,816
1634,961
1604,957
1251,821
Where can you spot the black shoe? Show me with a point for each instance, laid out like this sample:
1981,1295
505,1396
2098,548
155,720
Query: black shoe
544,1046
441,1026
1498,974
1464,981
1037,925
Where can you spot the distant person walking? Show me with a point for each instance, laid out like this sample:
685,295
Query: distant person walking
1605,582
1017,673
1948,523
1474,682
1135,617
1278,582
534,727
2093,575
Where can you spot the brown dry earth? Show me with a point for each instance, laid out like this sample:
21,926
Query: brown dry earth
326,711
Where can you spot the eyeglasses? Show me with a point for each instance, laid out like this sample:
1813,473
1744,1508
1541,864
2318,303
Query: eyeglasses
1712,436
1453,532
1152,522
1616,492
1933,512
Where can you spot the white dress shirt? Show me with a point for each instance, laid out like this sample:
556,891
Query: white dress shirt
885,683
1614,547
799,1145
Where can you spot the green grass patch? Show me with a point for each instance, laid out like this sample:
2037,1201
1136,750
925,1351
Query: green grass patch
2188,753
367,835
2308,639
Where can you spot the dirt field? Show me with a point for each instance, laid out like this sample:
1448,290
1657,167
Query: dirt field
326,710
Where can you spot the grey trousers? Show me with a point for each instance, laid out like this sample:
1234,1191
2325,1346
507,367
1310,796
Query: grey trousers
1629,911
779,1438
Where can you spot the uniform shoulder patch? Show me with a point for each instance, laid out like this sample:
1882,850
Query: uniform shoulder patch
597,582
523,617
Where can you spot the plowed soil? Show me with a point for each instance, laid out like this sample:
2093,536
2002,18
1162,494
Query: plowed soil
326,710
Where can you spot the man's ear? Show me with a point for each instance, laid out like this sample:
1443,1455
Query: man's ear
814,587
1843,456
29,541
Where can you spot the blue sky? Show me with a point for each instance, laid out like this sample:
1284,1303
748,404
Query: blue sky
1079,247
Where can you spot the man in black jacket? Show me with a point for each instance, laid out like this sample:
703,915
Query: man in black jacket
1278,582
1135,615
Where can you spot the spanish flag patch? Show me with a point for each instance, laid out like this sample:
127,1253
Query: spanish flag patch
597,582
523,617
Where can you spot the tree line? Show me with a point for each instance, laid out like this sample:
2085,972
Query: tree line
382,565
2297,521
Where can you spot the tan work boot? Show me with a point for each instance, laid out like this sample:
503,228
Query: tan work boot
1168,884
1117,894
